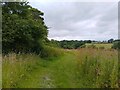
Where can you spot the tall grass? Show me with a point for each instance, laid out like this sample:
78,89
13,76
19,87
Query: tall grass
15,67
51,52
98,68
83,68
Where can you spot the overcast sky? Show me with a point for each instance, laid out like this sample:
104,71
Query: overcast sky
80,20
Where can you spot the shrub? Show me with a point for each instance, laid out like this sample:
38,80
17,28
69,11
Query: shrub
51,52
116,45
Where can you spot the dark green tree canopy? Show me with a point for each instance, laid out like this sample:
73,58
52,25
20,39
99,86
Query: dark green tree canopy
116,44
23,28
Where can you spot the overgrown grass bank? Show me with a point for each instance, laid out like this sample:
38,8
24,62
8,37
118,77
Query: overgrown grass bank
83,68
98,68
17,67
51,52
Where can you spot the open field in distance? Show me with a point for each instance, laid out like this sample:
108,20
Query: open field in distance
98,45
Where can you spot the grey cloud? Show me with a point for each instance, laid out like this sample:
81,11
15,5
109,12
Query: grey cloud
80,20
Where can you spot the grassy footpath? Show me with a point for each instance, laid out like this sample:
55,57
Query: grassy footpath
53,73
75,69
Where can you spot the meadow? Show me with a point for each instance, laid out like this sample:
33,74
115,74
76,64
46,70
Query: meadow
100,45
80,68
31,60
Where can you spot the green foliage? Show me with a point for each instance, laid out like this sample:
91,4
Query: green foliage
71,44
51,52
53,43
23,28
116,44
110,40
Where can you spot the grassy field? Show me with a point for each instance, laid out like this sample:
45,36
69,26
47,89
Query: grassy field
83,68
98,45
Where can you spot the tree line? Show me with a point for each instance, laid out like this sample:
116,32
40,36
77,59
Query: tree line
69,44
75,44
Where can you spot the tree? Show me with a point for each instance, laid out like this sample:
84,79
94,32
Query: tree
23,28
110,40
71,44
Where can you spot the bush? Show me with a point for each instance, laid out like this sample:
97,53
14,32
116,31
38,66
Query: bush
51,52
116,45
